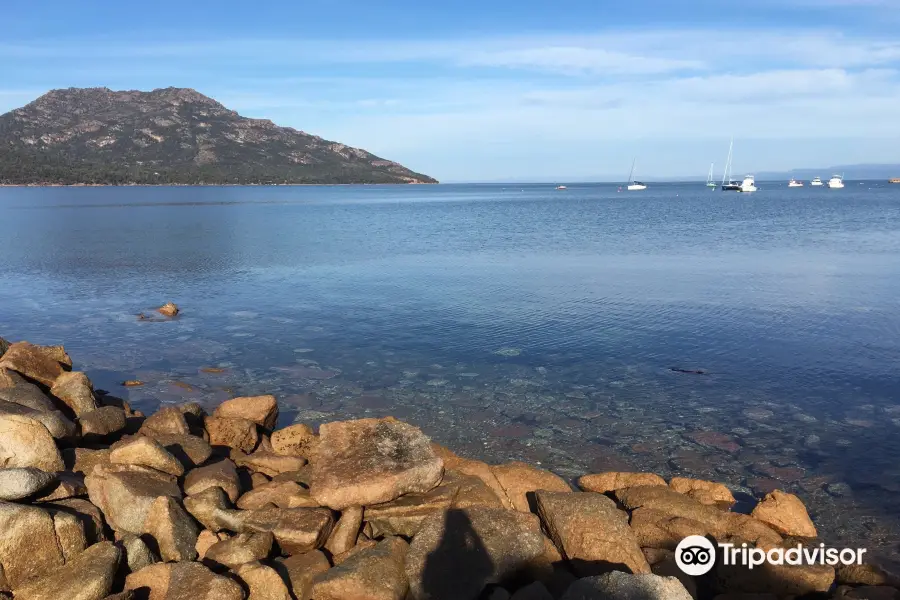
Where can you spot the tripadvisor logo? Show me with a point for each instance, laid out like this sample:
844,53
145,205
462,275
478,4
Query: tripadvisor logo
696,555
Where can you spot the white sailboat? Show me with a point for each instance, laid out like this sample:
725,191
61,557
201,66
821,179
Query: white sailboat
730,185
836,182
632,184
709,178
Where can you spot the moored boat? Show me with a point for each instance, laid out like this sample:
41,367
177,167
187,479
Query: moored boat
836,182
795,183
817,181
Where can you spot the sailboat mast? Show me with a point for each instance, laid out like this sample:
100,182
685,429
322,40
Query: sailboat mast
631,175
728,162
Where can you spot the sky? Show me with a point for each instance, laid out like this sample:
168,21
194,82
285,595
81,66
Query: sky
503,89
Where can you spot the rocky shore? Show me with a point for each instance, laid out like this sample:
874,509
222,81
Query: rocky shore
98,500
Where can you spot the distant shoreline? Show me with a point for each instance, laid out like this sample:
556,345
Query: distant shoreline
155,185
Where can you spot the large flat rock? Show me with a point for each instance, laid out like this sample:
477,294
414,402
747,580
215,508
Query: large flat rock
370,461
125,493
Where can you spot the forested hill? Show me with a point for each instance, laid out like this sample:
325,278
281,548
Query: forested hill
170,136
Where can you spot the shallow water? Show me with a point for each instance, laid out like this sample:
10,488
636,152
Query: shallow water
507,321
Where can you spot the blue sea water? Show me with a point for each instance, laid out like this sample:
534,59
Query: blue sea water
508,321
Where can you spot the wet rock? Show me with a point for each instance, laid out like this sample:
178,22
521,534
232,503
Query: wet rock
102,422
704,492
239,434
520,480
59,426
125,494
38,363
174,532
183,581
242,548
715,440
262,410
263,582
28,545
268,463
145,452
283,494
457,553
221,474
88,576
611,481
76,391
871,575
19,483
623,586
295,440
370,461
839,489
344,535
376,573
300,570
590,532
169,309
24,442
166,421
190,450
786,514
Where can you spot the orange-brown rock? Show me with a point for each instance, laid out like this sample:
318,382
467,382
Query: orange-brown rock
616,480
295,529
670,502
39,363
344,535
520,480
295,440
866,574
284,494
221,473
456,553
704,492
262,410
182,581
475,468
299,571
656,529
370,461
205,540
67,485
102,422
240,549
83,460
145,452
29,547
87,576
405,515
589,530
267,463
125,493
263,582
190,450
168,420
174,531
75,390
25,442
169,309
376,573
239,434
786,514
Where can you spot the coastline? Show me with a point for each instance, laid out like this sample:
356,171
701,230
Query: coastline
164,185
225,495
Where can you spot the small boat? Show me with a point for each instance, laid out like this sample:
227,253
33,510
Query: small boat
730,185
817,181
894,180
561,187
709,178
836,182
633,185
794,183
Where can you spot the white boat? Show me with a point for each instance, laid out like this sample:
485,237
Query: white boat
561,187
709,178
748,184
633,185
836,182
794,183
817,181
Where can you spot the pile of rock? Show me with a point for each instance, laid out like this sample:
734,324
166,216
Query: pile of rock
98,501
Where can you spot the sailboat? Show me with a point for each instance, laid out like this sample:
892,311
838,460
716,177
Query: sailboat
632,184
747,185
709,178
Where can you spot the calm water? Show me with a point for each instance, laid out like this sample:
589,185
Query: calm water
507,321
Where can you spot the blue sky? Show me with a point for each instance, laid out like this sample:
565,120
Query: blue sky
503,89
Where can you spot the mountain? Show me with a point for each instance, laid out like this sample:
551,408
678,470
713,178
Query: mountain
851,172
170,136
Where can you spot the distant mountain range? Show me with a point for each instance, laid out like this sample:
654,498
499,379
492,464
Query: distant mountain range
170,136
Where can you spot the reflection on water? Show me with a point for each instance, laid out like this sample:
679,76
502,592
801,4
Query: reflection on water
507,322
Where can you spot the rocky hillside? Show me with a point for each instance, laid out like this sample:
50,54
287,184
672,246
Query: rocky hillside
170,136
